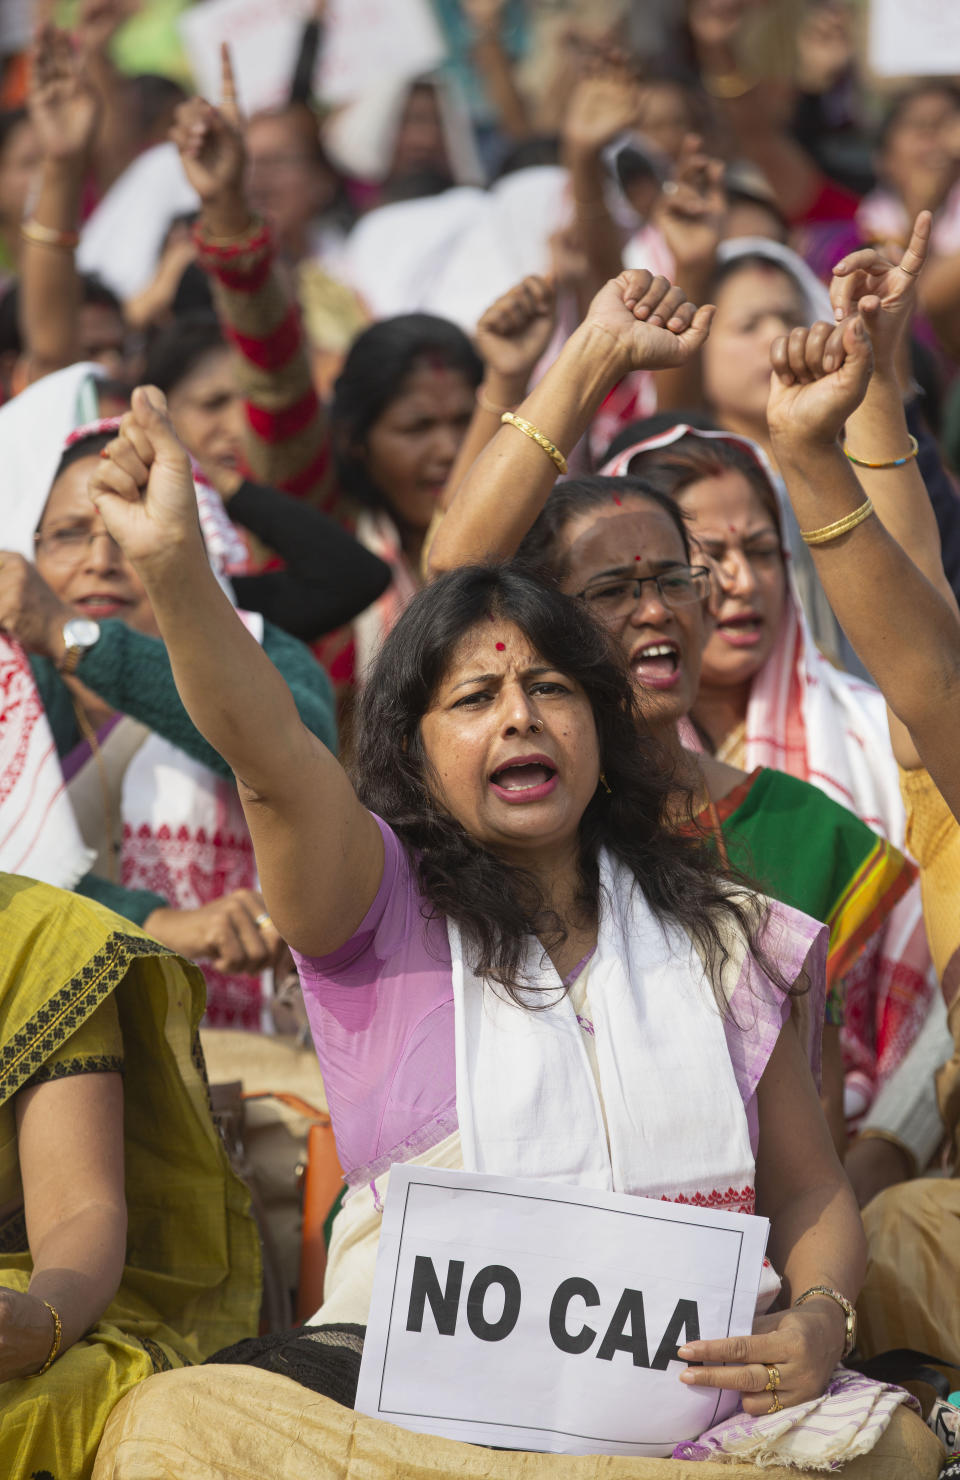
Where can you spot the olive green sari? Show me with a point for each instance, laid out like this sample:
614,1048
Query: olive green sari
82,991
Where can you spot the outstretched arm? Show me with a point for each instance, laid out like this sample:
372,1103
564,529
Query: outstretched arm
690,215
601,107
635,323
885,292
496,68
64,111
319,852
285,443
511,336
902,627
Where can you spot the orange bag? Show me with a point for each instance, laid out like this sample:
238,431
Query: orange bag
322,1185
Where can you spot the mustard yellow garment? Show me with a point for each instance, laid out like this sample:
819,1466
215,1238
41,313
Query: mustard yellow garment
933,837
82,990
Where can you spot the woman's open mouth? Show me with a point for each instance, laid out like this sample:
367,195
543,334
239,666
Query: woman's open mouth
743,631
527,778
657,665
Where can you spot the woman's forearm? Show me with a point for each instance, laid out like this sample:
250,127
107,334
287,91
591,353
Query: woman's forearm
494,396
50,284
78,1265
232,692
880,599
496,68
877,432
598,232
510,481
817,1239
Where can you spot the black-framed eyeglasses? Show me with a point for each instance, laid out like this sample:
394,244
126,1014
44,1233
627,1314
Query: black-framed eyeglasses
612,596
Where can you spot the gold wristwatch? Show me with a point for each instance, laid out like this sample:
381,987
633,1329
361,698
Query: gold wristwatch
80,634
844,1304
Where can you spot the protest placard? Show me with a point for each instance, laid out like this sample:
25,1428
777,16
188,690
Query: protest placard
921,39
532,1315
366,42
264,37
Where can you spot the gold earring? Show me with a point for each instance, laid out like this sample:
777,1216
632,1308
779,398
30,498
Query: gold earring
604,784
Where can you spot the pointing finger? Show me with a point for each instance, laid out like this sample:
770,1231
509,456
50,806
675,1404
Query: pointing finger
919,244
229,105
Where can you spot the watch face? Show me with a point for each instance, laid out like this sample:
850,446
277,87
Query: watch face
80,632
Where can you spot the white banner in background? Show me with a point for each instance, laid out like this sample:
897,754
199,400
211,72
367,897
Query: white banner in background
264,37
371,41
917,39
532,1315
365,42
14,25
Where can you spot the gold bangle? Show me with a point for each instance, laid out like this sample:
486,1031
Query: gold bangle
896,462
849,1313
841,526
528,430
46,236
57,1338
486,404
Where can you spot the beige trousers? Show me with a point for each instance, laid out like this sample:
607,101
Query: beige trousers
240,1423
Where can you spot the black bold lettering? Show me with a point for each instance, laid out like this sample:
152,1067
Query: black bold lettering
444,1303
559,1335
685,1318
494,1274
629,1312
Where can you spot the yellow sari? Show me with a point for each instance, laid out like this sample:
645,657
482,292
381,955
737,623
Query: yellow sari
83,991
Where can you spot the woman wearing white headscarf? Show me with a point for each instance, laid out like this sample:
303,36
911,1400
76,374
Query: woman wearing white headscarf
158,817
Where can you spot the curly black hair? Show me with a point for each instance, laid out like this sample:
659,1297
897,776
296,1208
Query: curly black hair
496,904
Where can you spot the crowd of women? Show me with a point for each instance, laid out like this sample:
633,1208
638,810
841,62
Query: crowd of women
481,564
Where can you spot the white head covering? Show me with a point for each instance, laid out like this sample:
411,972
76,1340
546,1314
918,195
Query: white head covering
815,296
34,428
39,836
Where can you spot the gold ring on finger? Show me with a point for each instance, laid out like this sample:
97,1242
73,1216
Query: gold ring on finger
262,919
776,1405
773,1379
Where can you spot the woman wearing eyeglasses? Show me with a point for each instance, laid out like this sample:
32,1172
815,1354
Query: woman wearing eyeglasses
166,839
622,544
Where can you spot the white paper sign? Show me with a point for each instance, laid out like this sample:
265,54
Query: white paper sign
918,39
370,41
532,1315
264,37
366,42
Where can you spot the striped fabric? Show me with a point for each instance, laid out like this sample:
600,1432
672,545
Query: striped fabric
823,1434
286,444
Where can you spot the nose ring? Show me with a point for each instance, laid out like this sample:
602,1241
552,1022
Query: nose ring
536,726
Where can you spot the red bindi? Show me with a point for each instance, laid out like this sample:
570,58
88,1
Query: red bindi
618,501
501,647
